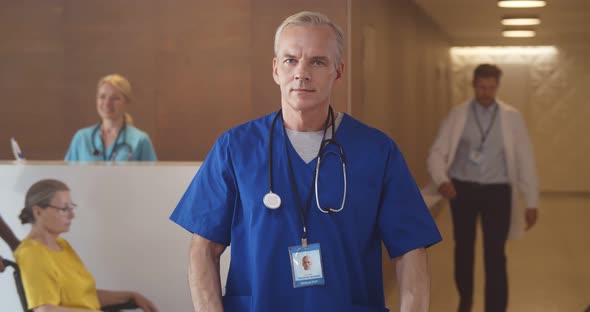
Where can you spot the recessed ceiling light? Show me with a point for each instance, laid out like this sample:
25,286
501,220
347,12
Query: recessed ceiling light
520,21
521,3
504,50
518,33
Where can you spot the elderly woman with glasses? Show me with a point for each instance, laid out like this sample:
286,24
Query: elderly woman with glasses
54,277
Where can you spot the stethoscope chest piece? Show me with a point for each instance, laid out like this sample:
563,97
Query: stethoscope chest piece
272,200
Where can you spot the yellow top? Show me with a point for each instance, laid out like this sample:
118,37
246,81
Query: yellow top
57,278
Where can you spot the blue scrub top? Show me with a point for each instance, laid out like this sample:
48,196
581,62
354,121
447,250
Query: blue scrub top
224,204
131,140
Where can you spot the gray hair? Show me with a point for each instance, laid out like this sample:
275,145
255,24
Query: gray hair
40,194
311,18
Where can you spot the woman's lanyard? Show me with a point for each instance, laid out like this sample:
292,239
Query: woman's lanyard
304,210
104,150
486,133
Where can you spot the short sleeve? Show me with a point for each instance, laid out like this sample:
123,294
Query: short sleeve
38,277
147,152
207,206
405,223
72,154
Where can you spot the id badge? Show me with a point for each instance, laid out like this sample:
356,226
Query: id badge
306,265
475,156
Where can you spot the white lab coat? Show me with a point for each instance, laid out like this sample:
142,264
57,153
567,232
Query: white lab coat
519,159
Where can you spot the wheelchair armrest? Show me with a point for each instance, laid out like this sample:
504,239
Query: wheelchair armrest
130,305
8,263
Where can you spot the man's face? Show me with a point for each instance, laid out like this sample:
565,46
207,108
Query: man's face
305,66
306,263
485,89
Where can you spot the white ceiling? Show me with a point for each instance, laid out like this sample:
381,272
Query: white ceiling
477,22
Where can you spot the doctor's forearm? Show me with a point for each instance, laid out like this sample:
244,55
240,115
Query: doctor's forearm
413,278
204,276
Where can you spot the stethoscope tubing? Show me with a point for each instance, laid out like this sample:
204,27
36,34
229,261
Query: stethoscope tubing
317,174
272,200
122,132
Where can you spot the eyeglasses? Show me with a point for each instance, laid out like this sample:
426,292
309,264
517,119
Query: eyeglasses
70,208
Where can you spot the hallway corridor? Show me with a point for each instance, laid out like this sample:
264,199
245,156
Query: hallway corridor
549,269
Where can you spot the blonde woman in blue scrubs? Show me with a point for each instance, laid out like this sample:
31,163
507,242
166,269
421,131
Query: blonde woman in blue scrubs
114,138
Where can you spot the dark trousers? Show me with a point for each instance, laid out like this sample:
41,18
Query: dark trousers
491,202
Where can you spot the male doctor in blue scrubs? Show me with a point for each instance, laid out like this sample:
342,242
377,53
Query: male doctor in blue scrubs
305,181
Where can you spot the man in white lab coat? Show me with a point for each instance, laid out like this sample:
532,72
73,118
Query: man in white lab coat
481,161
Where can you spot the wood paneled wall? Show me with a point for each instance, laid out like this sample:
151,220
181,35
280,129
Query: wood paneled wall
400,84
400,81
196,67
200,67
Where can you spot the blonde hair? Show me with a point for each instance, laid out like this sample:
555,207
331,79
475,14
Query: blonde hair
122,85
119,82
128,119
307,18
40,194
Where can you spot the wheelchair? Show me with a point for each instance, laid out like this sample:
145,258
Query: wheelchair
23,298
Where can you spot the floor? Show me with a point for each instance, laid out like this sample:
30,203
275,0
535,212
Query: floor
549,269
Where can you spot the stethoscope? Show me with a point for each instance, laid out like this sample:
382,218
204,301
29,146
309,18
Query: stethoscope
272,200
122,132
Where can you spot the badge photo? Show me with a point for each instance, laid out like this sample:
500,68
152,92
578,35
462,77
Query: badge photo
306,265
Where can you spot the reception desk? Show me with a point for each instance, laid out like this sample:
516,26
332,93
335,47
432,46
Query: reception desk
121,229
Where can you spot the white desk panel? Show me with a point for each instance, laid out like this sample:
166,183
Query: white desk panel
121,229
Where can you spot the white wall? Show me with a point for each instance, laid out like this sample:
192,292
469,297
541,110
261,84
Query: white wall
121,230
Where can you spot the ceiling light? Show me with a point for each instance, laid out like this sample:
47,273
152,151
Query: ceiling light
520,21
504,50
521,3
518,33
